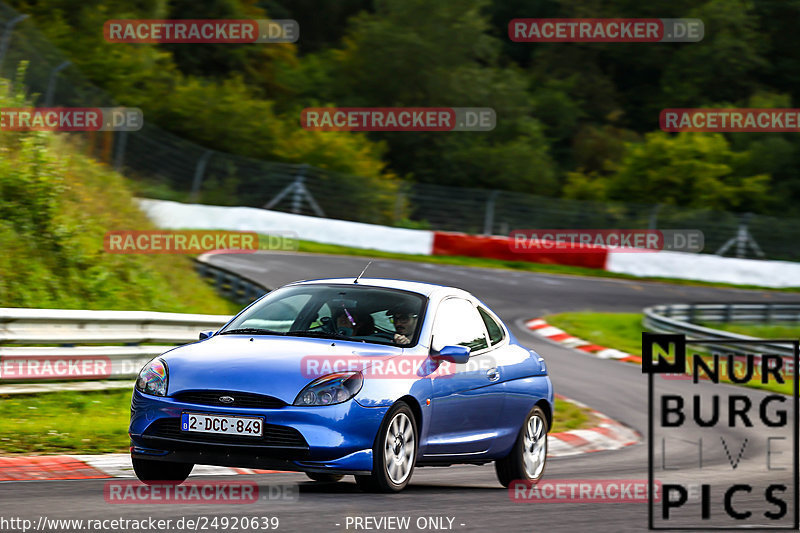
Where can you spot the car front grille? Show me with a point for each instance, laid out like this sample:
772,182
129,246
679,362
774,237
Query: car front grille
240,399
274,436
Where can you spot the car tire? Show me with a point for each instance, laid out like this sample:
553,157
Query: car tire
528,457
394,452
324,478
161,472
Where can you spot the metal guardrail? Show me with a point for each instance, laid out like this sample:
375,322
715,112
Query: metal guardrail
229,283
679,318
88,337
118,342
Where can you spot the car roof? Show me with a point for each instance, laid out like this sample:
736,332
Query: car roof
426,289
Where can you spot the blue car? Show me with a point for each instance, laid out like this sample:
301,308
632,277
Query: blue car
335,377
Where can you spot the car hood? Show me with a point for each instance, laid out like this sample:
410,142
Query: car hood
274,366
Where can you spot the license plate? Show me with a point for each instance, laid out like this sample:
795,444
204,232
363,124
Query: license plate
226,425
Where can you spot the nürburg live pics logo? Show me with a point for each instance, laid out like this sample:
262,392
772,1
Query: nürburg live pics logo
723,435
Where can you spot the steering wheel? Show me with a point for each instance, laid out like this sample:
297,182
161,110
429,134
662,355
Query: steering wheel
380,332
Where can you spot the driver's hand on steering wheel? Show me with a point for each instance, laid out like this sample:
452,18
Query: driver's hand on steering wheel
401,339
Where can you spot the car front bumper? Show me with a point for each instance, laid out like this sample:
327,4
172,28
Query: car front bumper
336,438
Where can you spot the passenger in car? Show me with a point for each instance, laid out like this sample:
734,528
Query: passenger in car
353,324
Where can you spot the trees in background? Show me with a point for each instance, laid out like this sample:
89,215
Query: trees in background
574,120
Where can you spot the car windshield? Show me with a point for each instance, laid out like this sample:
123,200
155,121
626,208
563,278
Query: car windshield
350,312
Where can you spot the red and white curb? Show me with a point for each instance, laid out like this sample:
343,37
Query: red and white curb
112,465
608,435
542,328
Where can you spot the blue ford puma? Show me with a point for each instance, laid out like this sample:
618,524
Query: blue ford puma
334,377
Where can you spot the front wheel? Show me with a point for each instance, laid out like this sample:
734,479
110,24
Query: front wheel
394,452
528,457
161,472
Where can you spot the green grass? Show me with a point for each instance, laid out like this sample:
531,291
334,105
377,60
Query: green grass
320,248
764,331
623,331
570,416
65,422
97,422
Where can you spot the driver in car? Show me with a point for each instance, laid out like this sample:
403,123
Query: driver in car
353,323
405,323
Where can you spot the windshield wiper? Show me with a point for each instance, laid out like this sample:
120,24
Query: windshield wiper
251,331
321,335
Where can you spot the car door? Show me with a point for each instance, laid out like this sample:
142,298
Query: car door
466,403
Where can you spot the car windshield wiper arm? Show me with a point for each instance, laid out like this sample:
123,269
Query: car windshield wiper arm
251,331
319,334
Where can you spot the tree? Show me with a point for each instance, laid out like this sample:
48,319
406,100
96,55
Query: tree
422,54
696,170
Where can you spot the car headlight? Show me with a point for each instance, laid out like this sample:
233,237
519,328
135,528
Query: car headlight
153,378
331,389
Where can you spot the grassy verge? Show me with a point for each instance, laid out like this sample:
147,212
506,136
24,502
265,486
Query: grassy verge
623,331
766,331
320,248
65,422
97,422
570,416
57,206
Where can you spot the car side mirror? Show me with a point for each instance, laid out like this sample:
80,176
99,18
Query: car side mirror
205,334
456,354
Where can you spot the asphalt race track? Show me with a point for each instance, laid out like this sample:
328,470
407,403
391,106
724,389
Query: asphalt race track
470,495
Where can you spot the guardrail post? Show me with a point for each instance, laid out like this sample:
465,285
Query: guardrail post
7,37
488,219
51,83
653,224
199,171
119,149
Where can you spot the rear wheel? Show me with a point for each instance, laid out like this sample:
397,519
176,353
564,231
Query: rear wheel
161,472
528,457
324,478
394,453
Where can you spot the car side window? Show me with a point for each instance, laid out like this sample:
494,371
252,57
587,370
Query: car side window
494,329
458,323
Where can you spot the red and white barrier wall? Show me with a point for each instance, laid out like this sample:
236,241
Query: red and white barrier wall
174,215
702,267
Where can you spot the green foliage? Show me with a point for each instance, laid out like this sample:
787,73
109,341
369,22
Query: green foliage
220,96
569,116
56,207
689,169
417,53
